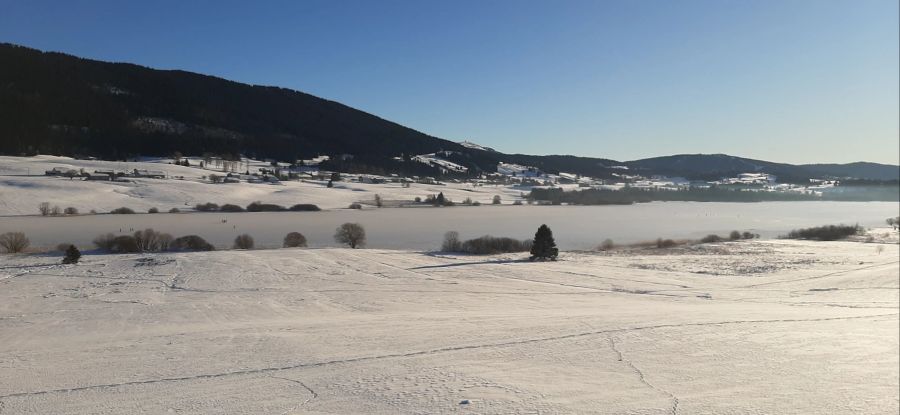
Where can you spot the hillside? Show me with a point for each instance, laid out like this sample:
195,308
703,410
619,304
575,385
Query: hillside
60,104
713,166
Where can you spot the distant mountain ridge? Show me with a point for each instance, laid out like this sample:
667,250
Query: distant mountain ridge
54,103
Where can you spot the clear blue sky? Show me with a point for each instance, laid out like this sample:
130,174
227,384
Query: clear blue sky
781,80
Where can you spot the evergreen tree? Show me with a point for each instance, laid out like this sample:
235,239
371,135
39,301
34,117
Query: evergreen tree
544,247
72,255
440,199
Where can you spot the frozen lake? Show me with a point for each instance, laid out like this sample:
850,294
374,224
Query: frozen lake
575,227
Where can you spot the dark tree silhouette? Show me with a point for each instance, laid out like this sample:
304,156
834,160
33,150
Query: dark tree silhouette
72,255
544,247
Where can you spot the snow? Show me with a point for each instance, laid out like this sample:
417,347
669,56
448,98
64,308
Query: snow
469,144
777,327
23,186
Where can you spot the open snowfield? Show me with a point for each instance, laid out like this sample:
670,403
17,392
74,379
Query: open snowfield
23,186
775,327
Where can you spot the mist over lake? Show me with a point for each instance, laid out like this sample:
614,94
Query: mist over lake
575,227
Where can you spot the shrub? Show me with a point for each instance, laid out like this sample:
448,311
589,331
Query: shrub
355,206
544,247
378,201
174,210
748,235
122,211
451,242
14,242
495,200
734,235
70,211
230,208
476,203
264,207
72,255
825,233
191,243
294,240
304,207
124,244
665,243
207,207
153,210
606,245
517,202
487,245
44,208
243,242
467,201
711,238
104,242
149,240
352,234
418,199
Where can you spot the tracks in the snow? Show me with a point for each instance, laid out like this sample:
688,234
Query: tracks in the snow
273,369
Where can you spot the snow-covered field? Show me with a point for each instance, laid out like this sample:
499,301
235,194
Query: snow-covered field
23,186
777,327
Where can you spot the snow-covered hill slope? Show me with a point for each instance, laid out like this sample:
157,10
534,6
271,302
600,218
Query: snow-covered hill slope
23,186
783,327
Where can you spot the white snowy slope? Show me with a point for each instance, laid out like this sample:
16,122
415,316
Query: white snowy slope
776,327
23,186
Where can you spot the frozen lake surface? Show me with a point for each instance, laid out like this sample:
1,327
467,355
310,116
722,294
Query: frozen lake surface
575,227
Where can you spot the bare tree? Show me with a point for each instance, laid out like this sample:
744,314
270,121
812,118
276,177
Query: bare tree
451,242
378,201
14,242
149,240
352,234
44,208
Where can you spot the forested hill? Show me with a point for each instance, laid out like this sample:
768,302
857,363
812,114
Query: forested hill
53,103
60,104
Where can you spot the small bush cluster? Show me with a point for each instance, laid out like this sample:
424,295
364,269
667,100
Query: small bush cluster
14,242
355,206
149,240
122,211
230,208
487,245
825,233
264,207
304,207
153,210
207,207
191,243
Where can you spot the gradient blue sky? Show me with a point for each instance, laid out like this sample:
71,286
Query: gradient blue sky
781,80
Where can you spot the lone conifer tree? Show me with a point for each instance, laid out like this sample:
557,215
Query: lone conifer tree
544,247
72,255
440,199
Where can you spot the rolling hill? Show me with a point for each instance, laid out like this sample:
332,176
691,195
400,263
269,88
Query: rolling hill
53,103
